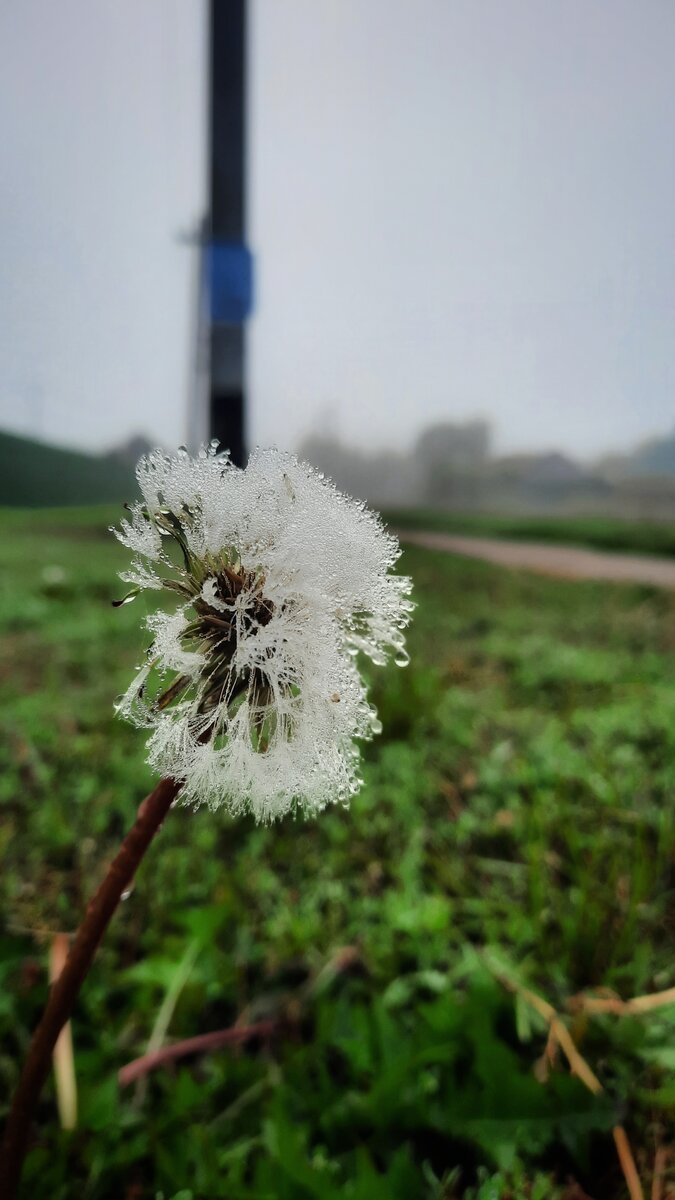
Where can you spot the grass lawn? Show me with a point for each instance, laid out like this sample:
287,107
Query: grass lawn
516,825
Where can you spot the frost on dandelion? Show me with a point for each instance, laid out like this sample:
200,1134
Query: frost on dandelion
251,686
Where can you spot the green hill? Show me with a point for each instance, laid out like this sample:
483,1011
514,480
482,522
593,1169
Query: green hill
36,475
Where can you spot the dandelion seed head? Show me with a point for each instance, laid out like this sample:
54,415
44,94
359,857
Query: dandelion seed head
251,688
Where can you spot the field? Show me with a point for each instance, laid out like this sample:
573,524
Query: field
515,832
34,474
602,533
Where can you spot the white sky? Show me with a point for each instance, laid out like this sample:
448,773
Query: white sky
457,207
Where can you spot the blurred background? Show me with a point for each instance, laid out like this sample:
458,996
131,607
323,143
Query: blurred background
428,246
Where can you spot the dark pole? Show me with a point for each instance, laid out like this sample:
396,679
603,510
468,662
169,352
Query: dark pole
228,261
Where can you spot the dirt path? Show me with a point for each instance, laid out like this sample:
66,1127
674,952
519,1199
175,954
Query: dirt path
568,562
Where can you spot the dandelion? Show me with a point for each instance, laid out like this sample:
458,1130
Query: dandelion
252,689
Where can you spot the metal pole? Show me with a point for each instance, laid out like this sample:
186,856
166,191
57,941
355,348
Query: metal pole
228,264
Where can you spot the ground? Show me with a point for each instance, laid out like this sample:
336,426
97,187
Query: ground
515,830
546,558
640,536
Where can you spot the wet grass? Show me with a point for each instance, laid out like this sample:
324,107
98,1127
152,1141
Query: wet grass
516,820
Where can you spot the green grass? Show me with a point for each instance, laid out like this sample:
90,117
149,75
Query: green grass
603,533
516,818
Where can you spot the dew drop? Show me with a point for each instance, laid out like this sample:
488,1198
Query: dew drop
402,658
376,725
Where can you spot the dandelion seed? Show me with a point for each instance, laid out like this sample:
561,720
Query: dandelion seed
251,687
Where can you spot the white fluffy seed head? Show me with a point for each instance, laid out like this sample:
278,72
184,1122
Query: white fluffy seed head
252,688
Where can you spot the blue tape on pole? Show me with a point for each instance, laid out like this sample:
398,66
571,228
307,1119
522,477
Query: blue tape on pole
230,277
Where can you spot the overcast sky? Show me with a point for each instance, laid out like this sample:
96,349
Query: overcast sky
457,207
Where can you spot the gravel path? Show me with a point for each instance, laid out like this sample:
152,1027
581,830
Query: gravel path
568,562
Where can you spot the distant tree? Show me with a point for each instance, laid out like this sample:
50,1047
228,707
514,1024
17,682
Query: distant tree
451,458
383,477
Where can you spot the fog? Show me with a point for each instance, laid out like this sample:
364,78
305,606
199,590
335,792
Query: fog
457,210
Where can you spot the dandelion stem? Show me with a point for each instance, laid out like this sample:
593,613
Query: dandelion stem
66,988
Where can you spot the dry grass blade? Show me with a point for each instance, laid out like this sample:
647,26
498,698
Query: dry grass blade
560,1034
201,1044
661,1158
627,1163
614,1004
62,1055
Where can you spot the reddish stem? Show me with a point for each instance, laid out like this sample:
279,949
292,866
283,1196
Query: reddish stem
64,991
201,1044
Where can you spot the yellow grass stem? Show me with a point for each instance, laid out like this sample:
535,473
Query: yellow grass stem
63,1058
623,1008
560,1035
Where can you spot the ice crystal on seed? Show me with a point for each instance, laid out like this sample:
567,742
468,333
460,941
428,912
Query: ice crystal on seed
251,686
